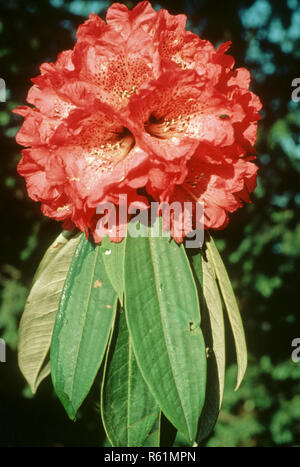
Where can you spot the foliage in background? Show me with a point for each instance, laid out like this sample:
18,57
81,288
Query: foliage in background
261,246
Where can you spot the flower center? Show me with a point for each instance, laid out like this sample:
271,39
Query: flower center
126,93
164,128
103,148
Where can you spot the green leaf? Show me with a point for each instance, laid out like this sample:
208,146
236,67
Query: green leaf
214,331
196,265
153,439
38,319
129,410
232,308
164,322
82,327
216,321
113,259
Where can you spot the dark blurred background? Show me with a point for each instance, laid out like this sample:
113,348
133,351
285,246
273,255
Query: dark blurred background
261,246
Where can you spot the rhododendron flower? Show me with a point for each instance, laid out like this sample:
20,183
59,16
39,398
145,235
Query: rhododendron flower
144,108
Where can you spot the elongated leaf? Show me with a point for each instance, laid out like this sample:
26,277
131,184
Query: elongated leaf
213,325
216,321
113,259
82,327
232,308
164,322
129,410
38,319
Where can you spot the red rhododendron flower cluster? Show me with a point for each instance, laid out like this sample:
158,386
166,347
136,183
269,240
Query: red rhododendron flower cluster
144,108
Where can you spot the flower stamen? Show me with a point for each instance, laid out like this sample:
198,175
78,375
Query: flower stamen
168,127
